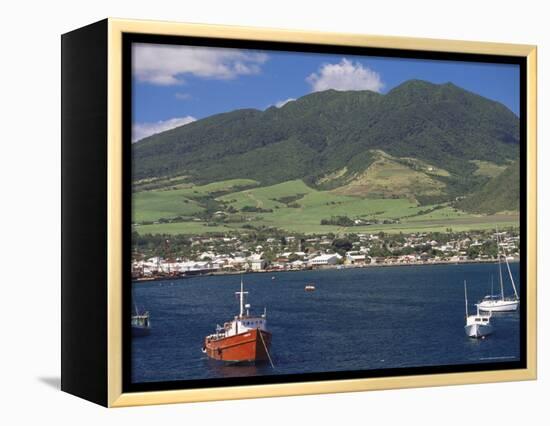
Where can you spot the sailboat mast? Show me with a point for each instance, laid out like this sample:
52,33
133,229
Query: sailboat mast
466,298
510,273
500,268
512,279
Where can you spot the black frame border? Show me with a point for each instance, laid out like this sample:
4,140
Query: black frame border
129,38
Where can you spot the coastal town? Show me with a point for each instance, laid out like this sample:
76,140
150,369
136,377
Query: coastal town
159,257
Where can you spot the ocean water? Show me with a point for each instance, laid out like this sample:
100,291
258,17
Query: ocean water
357,319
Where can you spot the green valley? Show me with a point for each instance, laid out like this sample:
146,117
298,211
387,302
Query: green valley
294,207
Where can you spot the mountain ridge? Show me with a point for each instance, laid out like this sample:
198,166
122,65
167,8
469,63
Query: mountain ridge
323,132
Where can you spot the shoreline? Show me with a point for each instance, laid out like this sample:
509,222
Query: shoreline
324,267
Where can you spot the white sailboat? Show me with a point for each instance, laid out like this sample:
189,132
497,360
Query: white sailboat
479,325
493,303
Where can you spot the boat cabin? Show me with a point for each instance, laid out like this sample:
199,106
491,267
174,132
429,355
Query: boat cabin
141,320
245,323
242,322
478,319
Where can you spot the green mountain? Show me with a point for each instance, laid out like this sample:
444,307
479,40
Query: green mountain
331,139
500,194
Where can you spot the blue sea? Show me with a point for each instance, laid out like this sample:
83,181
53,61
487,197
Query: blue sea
357,319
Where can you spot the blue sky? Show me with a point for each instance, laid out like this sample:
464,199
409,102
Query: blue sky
175,85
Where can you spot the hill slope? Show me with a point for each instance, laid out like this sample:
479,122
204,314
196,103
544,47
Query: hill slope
500,194
332,133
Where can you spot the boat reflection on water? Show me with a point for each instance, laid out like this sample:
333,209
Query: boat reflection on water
240,369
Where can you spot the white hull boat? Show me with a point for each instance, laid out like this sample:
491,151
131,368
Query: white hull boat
479,325
501,304
478,330
498,305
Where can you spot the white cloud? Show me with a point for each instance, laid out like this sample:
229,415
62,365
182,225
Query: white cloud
142,130
167,65
281,104
345,75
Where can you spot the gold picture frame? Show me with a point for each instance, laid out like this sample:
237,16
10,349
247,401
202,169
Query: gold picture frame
115,397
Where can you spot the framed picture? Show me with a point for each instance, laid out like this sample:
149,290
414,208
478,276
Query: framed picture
251,212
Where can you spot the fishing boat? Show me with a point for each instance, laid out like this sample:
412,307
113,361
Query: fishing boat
309,287
492,303
244,339
141,324
479,325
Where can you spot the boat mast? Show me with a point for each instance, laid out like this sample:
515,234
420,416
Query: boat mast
241,298
500,268
510,273
512,279
466,298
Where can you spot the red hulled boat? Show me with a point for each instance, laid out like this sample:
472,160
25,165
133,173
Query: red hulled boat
244,339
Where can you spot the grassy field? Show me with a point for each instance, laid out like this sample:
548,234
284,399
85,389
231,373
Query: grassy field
456,225
295,207
311,206
188,228
471,223
445,213
322,205
267,196
390,176
230,184
153,205
169,203
486,168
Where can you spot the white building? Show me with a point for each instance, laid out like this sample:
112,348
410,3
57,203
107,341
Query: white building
258,265
355,258
325,259
290,253
256,262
